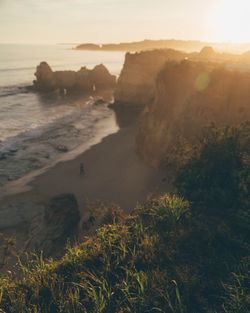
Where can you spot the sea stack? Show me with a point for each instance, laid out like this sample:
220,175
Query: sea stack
81,81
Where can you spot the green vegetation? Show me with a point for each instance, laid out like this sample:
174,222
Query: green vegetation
170,255
217,177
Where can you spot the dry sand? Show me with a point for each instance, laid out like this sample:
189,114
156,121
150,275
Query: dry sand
114,174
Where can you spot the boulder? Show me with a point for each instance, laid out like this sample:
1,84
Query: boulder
99,101
62,148
59,221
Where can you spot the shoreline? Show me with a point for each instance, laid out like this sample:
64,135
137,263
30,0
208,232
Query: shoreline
114,175
75,121
105,127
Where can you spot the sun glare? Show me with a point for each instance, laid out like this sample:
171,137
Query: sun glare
232,21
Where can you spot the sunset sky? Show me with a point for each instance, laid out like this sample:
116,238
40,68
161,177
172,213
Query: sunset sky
73,21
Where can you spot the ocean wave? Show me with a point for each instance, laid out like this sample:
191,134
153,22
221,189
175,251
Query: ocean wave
6,91
16,69
44,144
87,116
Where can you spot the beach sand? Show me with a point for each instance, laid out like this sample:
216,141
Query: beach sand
113,174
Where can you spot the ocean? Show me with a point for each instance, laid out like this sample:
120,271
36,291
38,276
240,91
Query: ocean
35,129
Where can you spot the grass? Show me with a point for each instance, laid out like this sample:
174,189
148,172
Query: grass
155,260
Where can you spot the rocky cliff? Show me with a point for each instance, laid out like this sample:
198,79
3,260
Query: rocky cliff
188,97
84,80
136,83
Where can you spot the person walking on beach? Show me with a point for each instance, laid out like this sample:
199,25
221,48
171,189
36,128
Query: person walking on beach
82,170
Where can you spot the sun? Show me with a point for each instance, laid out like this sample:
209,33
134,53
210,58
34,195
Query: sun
232,21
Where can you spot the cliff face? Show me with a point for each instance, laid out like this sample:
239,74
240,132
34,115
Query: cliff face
84,80
190,96
136,83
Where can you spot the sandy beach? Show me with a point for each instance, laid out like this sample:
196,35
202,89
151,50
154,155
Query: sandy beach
114,174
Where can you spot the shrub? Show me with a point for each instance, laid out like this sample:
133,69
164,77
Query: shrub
237,290
217,177
117,270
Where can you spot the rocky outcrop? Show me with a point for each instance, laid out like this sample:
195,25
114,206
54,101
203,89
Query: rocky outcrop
207,52
190,96
45,79
84,80
136,83
51,230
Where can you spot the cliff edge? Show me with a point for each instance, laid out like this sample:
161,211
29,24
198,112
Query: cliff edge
136,84
188,97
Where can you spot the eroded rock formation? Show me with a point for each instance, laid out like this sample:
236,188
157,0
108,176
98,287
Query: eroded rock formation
136,84
45,79
190,96
84,80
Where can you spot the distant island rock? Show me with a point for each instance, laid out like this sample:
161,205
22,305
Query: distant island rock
84,80
183,45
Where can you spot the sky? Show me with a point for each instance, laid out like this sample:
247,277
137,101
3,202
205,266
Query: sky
102,21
